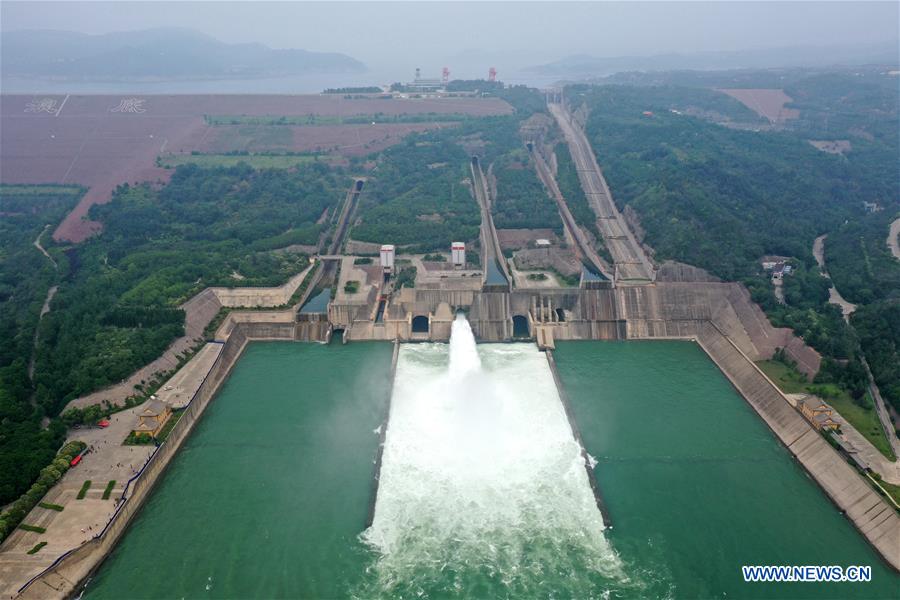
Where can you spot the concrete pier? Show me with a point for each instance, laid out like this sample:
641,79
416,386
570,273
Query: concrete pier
592,479
382,436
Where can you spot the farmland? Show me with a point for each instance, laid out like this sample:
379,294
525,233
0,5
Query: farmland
257,161
768,103
100,142
345,140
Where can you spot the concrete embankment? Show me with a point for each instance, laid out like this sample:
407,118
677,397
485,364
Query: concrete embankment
382,436
66,574
592,479
868,511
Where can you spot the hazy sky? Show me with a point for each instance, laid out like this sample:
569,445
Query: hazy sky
474,35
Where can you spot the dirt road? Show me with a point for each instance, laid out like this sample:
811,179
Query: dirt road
834,296
892,241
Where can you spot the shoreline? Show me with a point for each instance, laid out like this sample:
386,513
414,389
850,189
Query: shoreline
877,522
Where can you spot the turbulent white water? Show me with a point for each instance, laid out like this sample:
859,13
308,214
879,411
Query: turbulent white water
483,490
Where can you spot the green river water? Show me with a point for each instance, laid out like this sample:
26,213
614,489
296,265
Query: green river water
269,496
695,482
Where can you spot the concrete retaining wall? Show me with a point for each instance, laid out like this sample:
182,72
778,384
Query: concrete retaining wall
65,576
868,511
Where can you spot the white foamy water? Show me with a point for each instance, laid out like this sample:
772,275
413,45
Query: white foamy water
483,490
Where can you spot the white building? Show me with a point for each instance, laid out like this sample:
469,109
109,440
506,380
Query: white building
387,258
458,254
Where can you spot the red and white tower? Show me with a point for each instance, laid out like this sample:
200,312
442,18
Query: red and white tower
445,75
492,74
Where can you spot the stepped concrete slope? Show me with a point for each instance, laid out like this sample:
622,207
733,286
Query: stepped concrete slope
199,311
872,515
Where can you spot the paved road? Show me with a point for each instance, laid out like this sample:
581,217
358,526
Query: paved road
631,262
575,232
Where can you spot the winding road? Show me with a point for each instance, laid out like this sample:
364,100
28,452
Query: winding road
834,296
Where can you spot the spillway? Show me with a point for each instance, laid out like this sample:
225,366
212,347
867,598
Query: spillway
483,490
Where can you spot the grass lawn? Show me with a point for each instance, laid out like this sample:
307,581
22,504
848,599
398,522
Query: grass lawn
257,161
862,418
109,489
790,380
33,528
84,489
49,506
893,490
167,428
865,420
7,189
37,547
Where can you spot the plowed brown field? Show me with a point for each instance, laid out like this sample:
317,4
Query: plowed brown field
768,103
103,141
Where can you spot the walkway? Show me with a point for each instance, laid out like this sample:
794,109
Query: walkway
81,519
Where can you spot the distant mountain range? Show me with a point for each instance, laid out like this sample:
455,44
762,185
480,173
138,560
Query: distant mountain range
806,56
154,54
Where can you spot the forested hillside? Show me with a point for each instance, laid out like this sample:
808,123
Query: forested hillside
720,197
26,275
420,195
522,202
711,196
159,247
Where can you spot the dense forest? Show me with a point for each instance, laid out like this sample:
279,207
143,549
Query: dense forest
116,308
26,275
522,202
721,197
158,248
859,261
716,197
420,195
878,326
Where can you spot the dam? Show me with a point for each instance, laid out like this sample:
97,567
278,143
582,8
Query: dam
456,468
482,489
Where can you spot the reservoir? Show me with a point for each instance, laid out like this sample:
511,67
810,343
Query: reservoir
482,489
696,484
268,495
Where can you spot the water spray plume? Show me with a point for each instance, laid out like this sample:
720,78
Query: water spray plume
483,490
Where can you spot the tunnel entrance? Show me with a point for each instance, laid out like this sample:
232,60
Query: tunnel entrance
420,324
520,327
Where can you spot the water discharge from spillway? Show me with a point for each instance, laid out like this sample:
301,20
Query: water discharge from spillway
483,490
